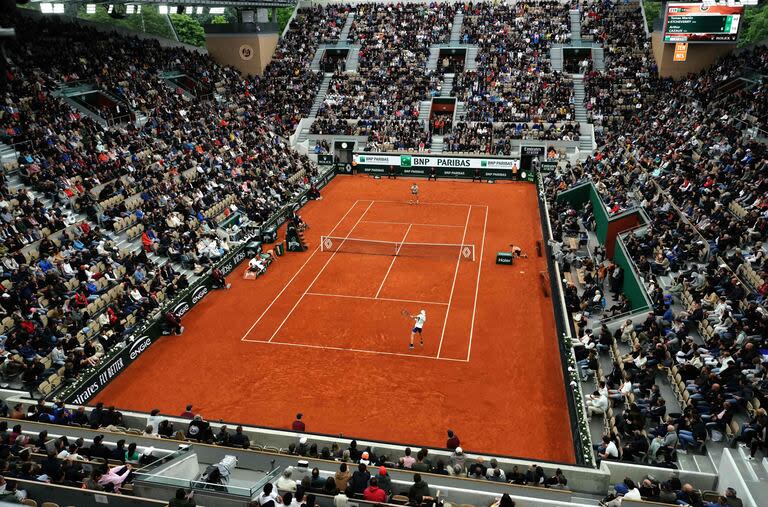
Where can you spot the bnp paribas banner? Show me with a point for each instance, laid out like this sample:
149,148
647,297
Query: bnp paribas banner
435,161
440,166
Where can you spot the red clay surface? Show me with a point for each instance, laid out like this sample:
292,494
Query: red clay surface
322,333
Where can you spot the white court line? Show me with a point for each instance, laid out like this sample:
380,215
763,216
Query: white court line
297,273
318,275
407,223
453,285
394,258
376,299
477,287
324,347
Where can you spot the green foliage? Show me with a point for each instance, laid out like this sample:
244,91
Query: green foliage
755,25
219,20
652,12
283,15
188,29
149,21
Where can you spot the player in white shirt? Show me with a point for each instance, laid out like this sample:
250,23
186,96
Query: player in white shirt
419,319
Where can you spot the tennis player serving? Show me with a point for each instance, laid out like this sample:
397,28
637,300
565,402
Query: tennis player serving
419,319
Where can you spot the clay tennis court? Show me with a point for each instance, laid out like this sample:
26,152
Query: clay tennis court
323,332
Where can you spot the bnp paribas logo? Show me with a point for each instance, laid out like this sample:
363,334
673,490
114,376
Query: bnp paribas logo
405,161
361,159
483,163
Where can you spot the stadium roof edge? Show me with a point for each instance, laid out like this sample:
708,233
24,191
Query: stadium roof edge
206,3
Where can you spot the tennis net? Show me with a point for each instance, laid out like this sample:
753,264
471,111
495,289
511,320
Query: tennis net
406,249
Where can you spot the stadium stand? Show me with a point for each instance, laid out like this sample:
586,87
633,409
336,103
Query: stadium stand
100,225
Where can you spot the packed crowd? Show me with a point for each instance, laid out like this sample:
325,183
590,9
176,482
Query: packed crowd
391,78
701,182
405,134
285,92
672,492
64,461
495,138
68,293
514,81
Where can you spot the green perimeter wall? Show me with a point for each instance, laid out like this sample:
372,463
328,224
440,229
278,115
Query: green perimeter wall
607,230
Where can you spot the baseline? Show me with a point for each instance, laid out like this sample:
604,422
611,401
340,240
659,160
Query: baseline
362,351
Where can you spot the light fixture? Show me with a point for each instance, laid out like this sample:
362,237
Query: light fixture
110,9
90,9
46,8
130,9
162,9
58,8
138,9
216,10
189,9
200,10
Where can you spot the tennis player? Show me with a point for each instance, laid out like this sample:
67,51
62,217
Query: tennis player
420,319
414,194
517,251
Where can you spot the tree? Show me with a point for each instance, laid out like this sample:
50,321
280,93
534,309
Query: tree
755,27
652,12
283,15
188,30
149,21
219,20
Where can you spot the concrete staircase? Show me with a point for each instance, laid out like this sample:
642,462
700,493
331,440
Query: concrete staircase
470,60
353,58
315,65
575,17
425,108
579,94
461,111
320,97
437,144
434,56
85,111
344,35
456,29
598,58
445,90
586,131
304,132
7,154
556,57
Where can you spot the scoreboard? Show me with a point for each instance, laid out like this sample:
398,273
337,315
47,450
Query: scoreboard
685,22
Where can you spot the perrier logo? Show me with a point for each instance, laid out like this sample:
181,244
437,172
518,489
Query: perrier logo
405,161
483,163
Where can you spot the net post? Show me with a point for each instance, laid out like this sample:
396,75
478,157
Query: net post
473,252
322,248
